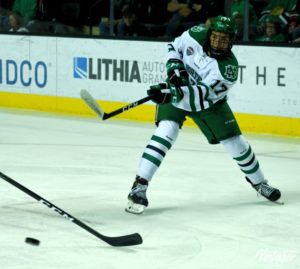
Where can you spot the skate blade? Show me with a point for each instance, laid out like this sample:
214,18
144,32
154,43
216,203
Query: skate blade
134,208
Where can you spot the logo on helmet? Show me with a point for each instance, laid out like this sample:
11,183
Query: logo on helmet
224,24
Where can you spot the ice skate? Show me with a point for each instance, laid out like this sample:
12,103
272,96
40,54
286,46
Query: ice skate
137,199
267,191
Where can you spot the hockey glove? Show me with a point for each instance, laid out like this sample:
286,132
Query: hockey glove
176,72
161,94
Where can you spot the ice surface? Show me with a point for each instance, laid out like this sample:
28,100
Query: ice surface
202,213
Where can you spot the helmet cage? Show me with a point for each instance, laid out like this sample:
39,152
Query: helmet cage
225,25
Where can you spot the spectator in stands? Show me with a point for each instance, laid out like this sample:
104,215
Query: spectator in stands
130,24
135,17
272,31
104,25
294,27
16,23
279,8
237,14
184,14
4,26
239,22
154,15
238,7
27,9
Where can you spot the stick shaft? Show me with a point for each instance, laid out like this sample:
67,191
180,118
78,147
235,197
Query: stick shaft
127,107
127,240
91,102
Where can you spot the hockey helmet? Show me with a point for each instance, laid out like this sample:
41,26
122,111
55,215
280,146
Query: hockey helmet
225,25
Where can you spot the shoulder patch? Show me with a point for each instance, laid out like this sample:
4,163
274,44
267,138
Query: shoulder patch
229,68
231,72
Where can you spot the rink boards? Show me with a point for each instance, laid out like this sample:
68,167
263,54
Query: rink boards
47,74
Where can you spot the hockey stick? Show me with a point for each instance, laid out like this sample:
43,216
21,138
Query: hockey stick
119,241
91,102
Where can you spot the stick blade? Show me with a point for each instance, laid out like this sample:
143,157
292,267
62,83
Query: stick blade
91,102
125,240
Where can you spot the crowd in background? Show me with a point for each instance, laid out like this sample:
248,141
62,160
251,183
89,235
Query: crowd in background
269,20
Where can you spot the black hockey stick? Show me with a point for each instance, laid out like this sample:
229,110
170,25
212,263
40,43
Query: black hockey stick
91,102
118,241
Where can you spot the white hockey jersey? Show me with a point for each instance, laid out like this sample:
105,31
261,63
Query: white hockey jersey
210,79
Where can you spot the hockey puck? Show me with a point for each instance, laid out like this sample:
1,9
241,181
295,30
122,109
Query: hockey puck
32,241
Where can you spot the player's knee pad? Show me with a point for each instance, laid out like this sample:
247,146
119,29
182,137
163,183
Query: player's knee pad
167,130
162,140
236,145
157,148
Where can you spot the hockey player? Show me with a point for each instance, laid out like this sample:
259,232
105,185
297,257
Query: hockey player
201,69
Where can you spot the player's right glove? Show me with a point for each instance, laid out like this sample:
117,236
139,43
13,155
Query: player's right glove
176,73
163,93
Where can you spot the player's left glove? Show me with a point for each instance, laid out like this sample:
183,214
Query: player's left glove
176,73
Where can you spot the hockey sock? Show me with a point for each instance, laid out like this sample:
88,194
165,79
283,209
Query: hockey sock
154,153
242,153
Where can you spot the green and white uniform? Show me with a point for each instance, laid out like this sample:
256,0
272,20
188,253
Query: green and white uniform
203,100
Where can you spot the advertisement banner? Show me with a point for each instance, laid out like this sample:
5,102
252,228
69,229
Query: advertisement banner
28,64
268,82
112,70
122,71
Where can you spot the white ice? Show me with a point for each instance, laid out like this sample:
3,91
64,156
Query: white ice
202,213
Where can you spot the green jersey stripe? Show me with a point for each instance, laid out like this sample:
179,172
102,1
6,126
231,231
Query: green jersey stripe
192,98
210,103
200,98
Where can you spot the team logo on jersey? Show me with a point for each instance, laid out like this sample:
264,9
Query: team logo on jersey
189,51
231,72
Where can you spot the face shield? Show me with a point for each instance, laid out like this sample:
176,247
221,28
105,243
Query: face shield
221,36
